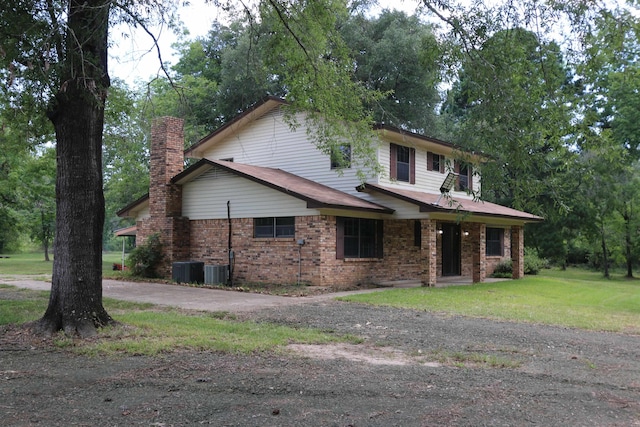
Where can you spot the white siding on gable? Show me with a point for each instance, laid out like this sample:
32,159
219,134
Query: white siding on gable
206,198
270,142
143,213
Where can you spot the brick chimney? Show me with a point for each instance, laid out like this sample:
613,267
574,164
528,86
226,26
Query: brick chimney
167,160
165,198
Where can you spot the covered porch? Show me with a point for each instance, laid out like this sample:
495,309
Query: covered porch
456,238
457,252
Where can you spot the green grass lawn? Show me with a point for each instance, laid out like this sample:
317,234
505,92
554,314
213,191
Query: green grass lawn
34,264
29,263
574,298
145,329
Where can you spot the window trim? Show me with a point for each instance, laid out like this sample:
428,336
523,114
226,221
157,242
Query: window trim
458,170
274,227
377,252
345,152
431,157
499,240
393,163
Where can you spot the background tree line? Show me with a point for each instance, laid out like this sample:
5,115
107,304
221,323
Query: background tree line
555,110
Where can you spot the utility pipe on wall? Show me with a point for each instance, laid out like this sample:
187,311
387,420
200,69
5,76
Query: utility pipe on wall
300,245
229,246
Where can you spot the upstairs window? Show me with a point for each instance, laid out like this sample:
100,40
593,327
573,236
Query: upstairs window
465,174
341,157
495,242
274,227
403,163
435,162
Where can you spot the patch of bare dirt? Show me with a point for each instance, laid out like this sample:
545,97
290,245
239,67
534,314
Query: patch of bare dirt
360,353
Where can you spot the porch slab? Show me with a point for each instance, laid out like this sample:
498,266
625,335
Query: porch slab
442,281
463,280
410,283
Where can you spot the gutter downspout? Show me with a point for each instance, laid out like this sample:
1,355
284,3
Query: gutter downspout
229,247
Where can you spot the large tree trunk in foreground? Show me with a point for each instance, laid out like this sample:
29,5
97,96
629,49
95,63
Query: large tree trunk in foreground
75,305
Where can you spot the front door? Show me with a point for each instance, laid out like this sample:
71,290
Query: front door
451,250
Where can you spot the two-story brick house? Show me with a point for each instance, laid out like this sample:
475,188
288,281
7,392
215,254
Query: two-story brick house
265,195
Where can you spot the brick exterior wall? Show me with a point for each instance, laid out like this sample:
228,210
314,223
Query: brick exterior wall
165,199
430,253
493,261
282,260
402,258
517,251
477,238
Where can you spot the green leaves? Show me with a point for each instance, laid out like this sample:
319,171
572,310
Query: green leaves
511,105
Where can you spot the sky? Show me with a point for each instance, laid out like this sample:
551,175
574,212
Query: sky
133,57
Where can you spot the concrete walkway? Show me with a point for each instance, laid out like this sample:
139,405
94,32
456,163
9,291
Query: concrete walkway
191,298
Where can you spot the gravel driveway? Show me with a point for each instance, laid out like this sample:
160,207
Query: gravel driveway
413,369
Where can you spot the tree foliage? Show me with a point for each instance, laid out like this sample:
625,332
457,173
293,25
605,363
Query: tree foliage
394,79
36,197
510,103
125,154
399,56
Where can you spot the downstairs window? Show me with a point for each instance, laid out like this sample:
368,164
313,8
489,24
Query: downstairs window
358,238
274,227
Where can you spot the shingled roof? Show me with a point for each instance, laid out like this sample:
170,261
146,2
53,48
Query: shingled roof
316,195
432,202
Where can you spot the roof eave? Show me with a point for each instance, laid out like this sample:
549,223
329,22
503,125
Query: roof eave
403,134
313,204
432,207
124,212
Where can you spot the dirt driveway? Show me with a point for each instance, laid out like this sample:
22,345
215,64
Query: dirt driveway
414,369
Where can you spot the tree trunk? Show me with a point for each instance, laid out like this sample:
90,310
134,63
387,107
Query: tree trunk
605,256
75,304
627,240
45,235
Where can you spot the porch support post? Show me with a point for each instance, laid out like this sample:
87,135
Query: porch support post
478,237
428,252
517,251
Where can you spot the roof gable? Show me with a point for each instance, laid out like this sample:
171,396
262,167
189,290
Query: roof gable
232,127
133,207
268,104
